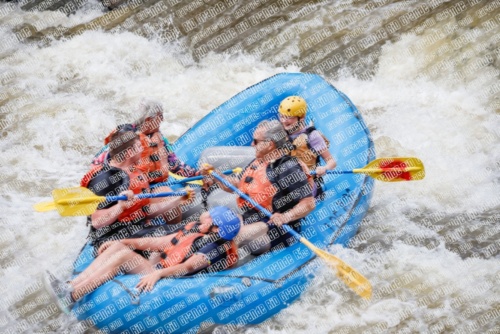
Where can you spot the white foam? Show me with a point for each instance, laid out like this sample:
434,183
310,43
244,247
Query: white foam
78,90
451,129
75,92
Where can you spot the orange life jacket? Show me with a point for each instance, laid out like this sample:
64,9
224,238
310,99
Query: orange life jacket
304,151
151,158
255,183
182,248
136,182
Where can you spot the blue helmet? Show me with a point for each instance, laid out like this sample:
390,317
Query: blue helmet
227,221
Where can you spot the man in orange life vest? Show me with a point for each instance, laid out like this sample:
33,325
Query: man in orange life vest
278,182
207,245
121,175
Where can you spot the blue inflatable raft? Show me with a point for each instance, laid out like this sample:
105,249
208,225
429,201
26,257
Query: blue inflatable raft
262,286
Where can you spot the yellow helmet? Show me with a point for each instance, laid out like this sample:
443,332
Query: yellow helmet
293,106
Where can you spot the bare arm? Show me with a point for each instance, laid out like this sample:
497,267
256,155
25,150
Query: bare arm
162,205
321,146
330,161
105,217
302,209
231,179
206,170
193,264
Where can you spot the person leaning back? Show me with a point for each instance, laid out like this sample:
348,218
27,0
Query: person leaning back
204,246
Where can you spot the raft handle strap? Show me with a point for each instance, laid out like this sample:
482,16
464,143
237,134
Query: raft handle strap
135,298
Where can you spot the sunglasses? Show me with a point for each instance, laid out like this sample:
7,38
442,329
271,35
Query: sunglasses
257,141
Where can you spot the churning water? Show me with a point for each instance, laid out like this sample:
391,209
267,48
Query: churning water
424,75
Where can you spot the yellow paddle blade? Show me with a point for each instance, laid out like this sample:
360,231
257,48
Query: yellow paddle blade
178,177
394,169
76,201
44,206
353,279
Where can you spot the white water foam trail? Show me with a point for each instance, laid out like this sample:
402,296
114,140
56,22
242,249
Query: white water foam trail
416,290
450,128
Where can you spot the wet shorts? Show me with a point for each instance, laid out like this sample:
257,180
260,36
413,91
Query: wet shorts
279,236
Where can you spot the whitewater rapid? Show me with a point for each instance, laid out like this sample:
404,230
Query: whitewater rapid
430,248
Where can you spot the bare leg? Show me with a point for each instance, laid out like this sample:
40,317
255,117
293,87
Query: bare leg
255,236
99,262
119,257
153,244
